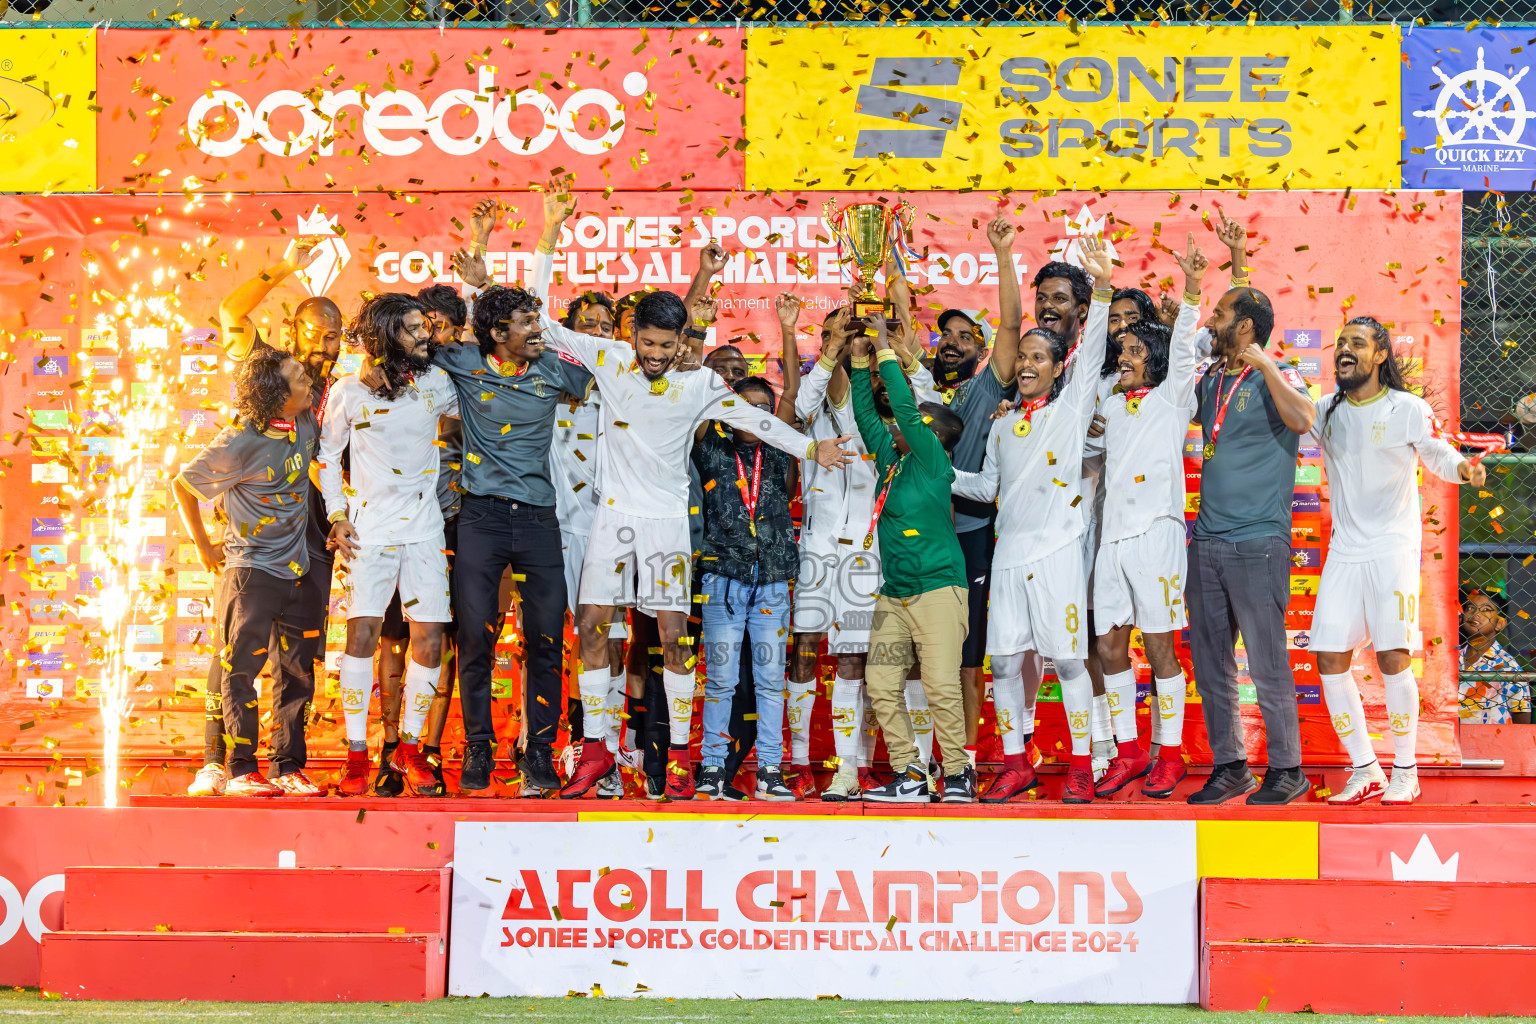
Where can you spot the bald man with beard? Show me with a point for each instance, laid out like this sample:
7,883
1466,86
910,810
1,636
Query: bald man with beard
314,340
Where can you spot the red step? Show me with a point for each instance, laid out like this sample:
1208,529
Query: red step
186,899
1369,912
250,967
1376,979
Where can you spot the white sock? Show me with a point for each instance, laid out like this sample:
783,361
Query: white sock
1348,714
1120,691
356,687
867,733
1102,724
420,686
922,721
679,687
1008,701
594,686
1033,673
847,718
802,701
1403,715
616,696
1168,725
1077,699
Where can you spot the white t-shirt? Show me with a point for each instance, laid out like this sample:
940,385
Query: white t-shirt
394,457
646,436
1144,450
1370,454
1036,479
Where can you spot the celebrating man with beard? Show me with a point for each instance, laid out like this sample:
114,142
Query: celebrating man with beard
388,524
1253,412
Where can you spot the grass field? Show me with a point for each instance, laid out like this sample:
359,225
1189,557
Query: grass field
29,1005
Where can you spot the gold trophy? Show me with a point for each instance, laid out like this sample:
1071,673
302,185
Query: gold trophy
870,232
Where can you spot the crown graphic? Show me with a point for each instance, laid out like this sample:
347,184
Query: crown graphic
331,256
1084,225
315,222
1425,864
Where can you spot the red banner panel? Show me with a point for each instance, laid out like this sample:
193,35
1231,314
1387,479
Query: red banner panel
1428,853
419,109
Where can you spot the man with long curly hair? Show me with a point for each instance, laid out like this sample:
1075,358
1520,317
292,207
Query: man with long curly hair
388,524
268,602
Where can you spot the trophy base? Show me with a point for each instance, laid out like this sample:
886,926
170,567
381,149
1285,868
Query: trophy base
864,310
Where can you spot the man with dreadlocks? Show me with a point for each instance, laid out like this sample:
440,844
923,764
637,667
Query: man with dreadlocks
388,524
269,602
1039,592
1373,432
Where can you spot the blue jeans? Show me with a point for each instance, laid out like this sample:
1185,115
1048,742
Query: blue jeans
735,613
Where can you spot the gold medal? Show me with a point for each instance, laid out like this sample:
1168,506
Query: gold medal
1133,406
869,541
1210,449
1022,428
948,394
659,386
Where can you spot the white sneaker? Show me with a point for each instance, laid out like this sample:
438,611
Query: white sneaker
844,785
297,784
210,780
568,758
1364,783
1100,767
611,785
1404,788
634,760
252,784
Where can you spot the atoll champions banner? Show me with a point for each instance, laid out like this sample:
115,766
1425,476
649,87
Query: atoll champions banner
1050,911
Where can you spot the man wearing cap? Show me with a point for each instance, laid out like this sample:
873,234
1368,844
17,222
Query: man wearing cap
973,396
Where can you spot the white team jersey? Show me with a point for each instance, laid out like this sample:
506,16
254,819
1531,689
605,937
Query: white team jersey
394,457
1037,478
573,463
646,436
1370,454
1144,450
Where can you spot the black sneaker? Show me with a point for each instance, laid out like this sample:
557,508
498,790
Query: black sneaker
1226,781
771,785
655,787
960,788
711,783
1281,786
910,787
388,782
475,769
538,767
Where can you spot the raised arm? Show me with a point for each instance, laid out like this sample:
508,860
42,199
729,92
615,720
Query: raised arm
711,262
921,441
877,439
236,331
1235,238
982,486
787,305
1184,354
1010,314
899,294
1083,375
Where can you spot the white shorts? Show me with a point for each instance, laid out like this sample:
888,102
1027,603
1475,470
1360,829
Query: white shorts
835,594
419,570
1140,580
1375,601
1040,607
573,551
637,562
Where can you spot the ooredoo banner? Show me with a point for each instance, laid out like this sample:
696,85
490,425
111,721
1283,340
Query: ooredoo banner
1050,911
1179,107
419,109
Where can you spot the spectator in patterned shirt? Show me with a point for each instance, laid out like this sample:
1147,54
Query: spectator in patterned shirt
1489,703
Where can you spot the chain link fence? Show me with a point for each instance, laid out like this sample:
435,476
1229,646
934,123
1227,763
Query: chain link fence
317,13
1498,394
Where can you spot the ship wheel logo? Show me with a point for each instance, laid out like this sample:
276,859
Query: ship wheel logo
1479,105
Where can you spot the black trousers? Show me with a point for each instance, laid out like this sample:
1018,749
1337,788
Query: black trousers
495,533
260,616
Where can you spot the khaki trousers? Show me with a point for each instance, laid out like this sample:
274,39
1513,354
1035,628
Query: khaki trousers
930,630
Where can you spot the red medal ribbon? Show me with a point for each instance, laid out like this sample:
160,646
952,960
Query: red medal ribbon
750,500
1221,412
1137,394
1028,408
885,491
1486,444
